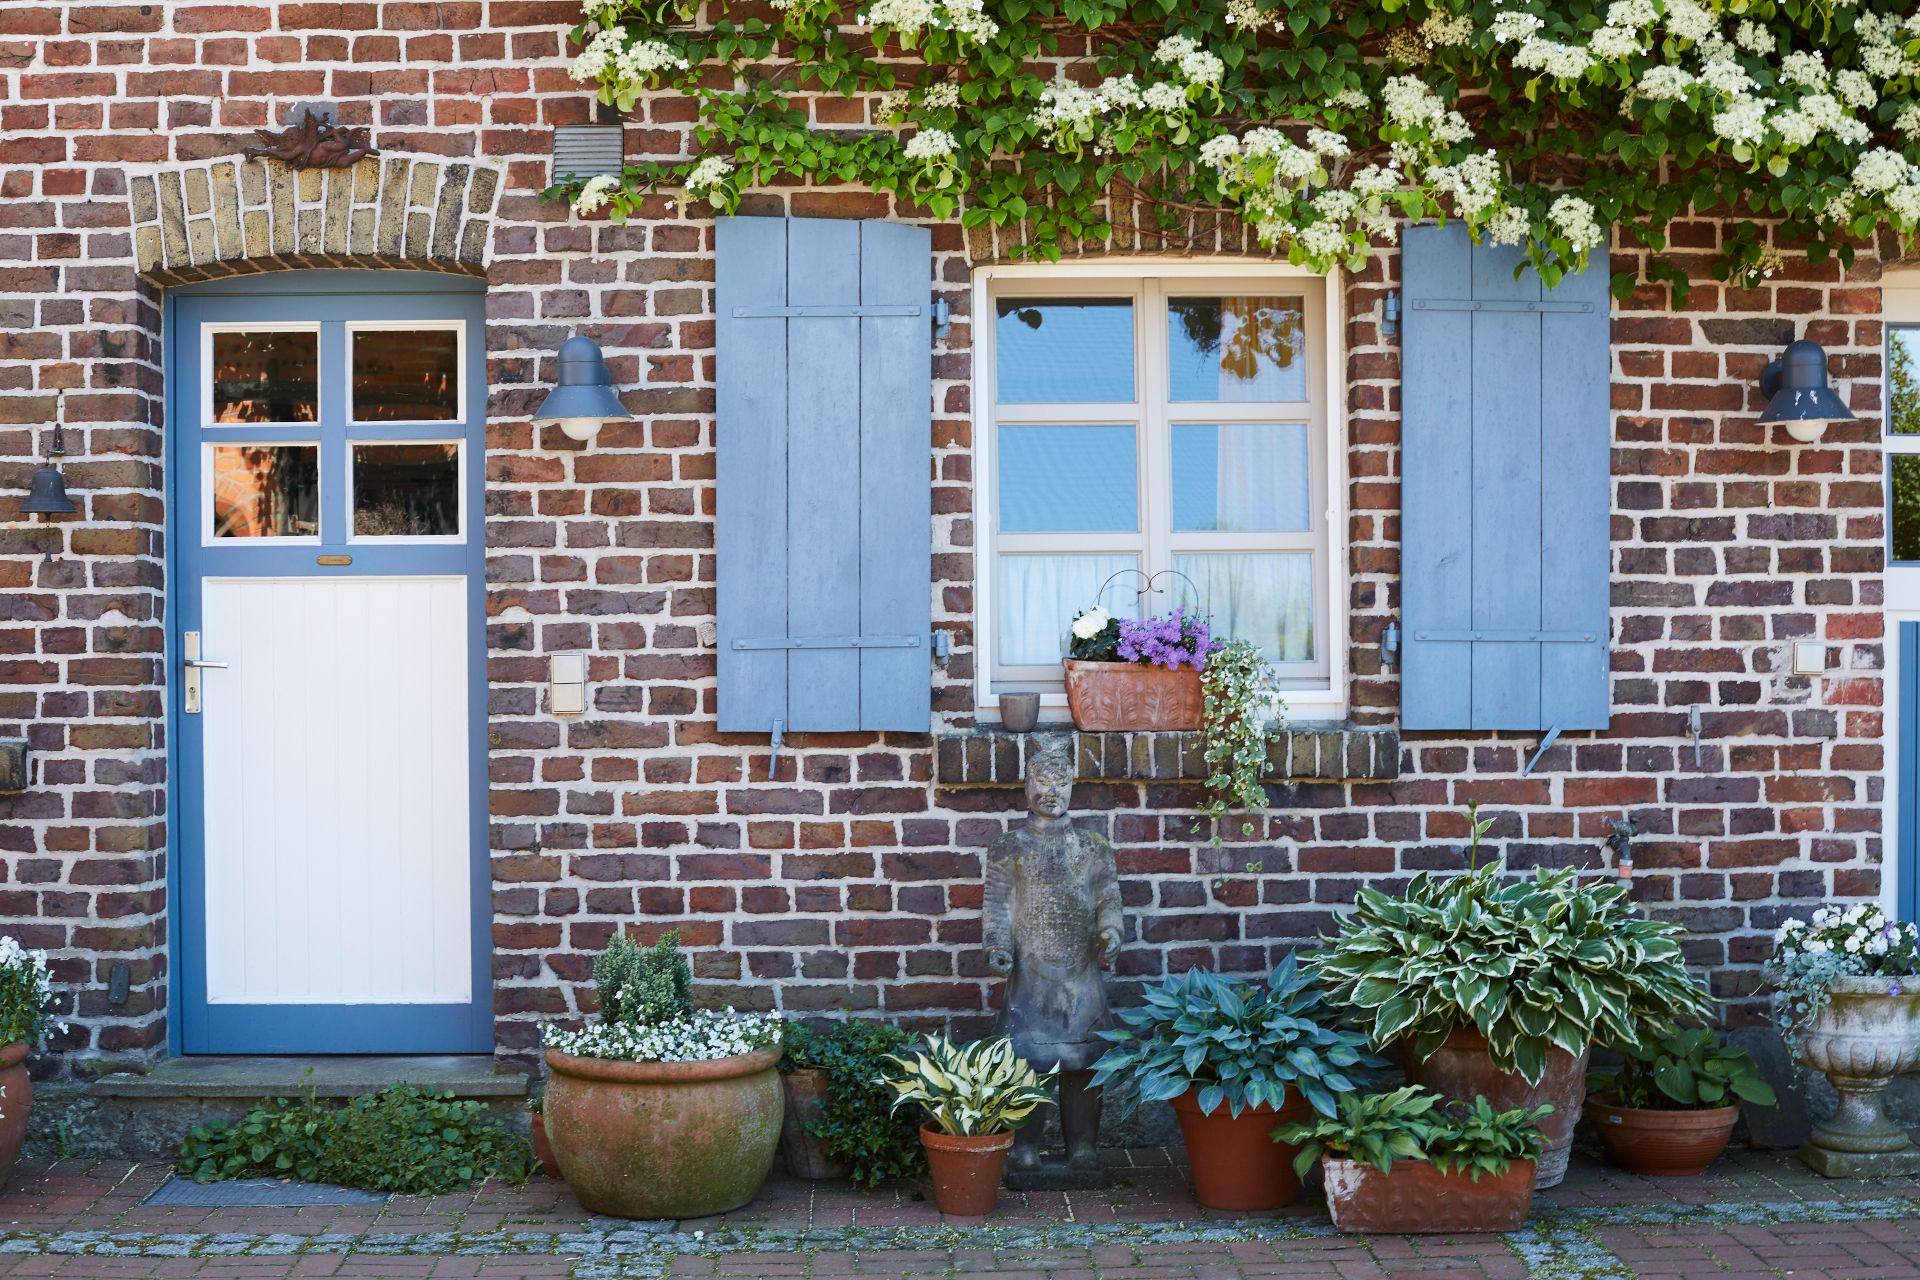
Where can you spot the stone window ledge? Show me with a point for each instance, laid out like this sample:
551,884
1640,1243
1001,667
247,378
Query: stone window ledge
993,757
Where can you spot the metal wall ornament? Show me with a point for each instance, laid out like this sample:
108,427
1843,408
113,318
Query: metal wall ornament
47,488
314,142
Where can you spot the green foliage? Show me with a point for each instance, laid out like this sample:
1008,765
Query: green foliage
1237,686
1238,1042
643,986
1376,1129
858,1125
401,1139
1685,1070
26,994
1531,964
1837,942
971,1089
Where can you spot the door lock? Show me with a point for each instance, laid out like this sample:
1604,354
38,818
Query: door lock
192,664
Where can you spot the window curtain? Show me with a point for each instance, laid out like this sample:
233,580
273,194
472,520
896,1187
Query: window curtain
1037,596
1261,597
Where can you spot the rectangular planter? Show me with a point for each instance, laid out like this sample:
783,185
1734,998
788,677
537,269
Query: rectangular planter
1110,697
1416,1197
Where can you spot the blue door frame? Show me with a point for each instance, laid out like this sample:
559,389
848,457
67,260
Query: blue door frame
331,299
1907,711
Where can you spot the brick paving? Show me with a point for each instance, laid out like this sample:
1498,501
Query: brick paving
1756,1215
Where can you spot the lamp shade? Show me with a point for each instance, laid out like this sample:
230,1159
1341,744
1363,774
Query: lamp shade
582,397
1798,394
47,494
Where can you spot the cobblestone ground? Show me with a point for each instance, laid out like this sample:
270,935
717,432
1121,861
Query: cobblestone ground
1755,1215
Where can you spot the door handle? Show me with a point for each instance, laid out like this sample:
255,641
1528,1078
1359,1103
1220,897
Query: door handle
195,664
192,665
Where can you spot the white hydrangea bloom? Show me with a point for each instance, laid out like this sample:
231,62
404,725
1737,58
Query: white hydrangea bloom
644,57
1805,68
710,172
1613,42
1664,82
1855,89
1879,170
1509,226
1327,143
941,96
1220,151
1377,180
1410,103
1195,63
1744,120
1632,13
1440,28
1690,21
969,18
1296,164
1475,183
1452,128
1065,103
1574,219
1755,38
901,15
1351,99
593,197
601,52
930,144
1323,239
1163,95
1119,92
1510,25
1907,123
1247,14
1795,128
1726,75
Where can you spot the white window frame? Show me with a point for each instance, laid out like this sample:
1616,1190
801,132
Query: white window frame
1148,280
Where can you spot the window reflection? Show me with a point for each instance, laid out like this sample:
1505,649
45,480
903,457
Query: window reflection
1903,399
406,375
1062,350
266,491
265,377
1237,348
406,490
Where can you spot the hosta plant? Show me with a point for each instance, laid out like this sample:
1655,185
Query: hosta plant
1685,1070
1377,1129
970,1089
1237,1042
1530,964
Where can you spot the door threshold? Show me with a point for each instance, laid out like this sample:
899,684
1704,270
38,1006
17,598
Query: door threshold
197,1076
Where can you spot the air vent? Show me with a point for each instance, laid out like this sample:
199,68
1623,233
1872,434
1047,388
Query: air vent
588,150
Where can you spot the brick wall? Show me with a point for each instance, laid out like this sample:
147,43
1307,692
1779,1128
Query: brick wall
850,881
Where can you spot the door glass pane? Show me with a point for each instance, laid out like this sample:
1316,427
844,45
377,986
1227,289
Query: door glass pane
406,490
266,491
265,377
410,375
1037,596
1251,348
1903,375
1905,485
1063,350
1265,598
1067,480
1241,477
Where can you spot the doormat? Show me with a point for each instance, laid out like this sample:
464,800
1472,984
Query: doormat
257,1191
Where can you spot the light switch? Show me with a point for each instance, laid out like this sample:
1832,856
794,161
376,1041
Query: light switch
1809,658
567,684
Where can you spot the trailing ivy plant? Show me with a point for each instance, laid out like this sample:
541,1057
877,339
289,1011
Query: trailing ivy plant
1321,123
1240,716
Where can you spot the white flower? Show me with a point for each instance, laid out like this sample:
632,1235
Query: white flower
601,52
1091,623
1754,38
1879,170
1119,91
1474,183
1510,25
1165,96
1804,67
1574,218
930,144
1219,150
1194,62
1410,103
1726,75
1795,128
1377,180
1323,239
1351,99
1689,21
1665,82
1562,61
1613,42
1744,120
701,1036
644,57
941,96
1326,142
1631,13
1442,28
1509,226
710,172
1855,89
593,197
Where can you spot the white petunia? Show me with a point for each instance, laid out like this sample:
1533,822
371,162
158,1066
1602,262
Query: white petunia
1091,623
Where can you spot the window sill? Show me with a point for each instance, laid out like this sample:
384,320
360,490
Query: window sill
993,757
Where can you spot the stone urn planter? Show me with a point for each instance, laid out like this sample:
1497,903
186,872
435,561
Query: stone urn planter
806,1156
1661,1143
1868,1033
1462,1069
664,1139
1414,1196
16,1099
1237,1166
1122,696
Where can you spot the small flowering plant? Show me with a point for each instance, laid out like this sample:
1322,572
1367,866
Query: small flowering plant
700,1036
1852,942
26,994
1173,640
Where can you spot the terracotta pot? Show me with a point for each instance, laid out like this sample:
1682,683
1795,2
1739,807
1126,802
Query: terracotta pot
664,1139
542,1147
1111,696
1237,1166
16,1098
966,1169
1662,1144
806,1155
1868,1033
1414,1196
1462,1069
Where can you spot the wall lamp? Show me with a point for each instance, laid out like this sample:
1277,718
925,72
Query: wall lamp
582,399
1798,394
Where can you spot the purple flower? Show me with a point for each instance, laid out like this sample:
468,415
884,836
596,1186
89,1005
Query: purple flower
1173,641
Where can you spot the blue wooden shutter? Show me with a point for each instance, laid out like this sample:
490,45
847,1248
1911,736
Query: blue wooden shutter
824,534
1505,491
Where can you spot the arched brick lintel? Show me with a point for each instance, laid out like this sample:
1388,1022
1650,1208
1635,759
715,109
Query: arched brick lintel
234,216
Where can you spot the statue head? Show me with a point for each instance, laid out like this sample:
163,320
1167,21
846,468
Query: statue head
1050,779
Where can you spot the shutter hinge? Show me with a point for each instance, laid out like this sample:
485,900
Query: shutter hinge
1389,645
773,754
942,649
942,318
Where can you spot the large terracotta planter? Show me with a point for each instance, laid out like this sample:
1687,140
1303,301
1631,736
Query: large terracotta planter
16,1098
1462,1069
664,1139
1868,1033
1111,696
1662,1144
806,1155
1415,1196
966,1169
1237,1166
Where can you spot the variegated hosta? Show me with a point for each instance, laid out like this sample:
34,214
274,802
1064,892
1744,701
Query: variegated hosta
1531,964
971,1089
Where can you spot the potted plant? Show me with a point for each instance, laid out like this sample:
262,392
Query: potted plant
1847,1000
1124,674
1408,1161
1671,1107
974,1095
657,1109
1235,1058
1499,989
26,995
840,1122
537,1129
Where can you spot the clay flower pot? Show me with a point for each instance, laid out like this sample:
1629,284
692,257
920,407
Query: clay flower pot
1868,1033
1237,1166
806,1155
664,1139
1662,1144
16,1098
966,1169
542,1148
1462,1069
1115,696
1414,1196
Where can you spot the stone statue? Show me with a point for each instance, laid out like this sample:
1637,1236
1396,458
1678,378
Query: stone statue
1052,924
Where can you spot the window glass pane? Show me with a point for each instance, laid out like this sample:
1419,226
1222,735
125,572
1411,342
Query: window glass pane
1037,595
1063,350
406,490
1265,598
1067,480
1905,484
1241,477
1903,373
266,491
406,375
265,377
1237,348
